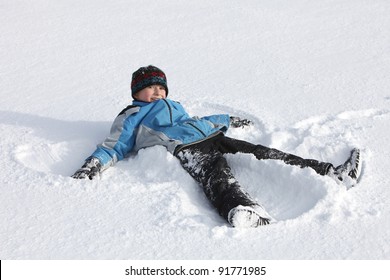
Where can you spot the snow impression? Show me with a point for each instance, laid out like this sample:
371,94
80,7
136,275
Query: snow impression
311,75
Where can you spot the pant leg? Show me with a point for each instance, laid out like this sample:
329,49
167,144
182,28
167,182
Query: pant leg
230,145
210,169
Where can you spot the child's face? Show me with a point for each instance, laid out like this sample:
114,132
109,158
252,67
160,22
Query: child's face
151,93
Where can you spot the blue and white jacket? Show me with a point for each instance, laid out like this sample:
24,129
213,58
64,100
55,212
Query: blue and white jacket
163,122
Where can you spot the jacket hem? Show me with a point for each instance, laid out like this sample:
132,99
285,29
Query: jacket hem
183,146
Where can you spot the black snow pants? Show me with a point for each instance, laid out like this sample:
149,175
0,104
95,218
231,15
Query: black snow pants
204,161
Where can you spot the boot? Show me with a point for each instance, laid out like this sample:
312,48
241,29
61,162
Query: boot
248,216
349,172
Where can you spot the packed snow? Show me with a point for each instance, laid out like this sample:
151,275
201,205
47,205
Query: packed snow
313,76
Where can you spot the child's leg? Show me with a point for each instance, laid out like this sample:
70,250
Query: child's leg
210,169
230,145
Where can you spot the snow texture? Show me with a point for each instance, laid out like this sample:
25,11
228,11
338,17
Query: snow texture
313,76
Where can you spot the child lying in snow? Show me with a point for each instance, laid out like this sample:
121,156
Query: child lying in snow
199,144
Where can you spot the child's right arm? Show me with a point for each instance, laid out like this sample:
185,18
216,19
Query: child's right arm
115,147
90,169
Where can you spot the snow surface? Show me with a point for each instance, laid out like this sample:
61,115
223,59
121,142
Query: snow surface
312,75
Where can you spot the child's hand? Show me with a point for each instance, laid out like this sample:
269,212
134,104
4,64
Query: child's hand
90,170
238,122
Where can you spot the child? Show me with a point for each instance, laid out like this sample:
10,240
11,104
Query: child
199,144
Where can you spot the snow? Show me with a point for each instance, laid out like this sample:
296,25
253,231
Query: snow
311,75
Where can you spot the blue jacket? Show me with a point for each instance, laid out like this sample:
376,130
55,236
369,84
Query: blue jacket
163,122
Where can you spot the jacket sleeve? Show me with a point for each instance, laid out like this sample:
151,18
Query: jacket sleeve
222,121
121,140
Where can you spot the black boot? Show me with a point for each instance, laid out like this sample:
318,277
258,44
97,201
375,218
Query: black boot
349,171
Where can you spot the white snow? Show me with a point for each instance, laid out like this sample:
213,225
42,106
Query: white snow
313,76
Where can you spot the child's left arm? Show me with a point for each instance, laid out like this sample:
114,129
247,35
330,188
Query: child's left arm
228,121
219,120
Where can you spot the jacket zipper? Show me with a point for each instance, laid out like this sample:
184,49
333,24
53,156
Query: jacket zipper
170,111
198,129
194,126
171,119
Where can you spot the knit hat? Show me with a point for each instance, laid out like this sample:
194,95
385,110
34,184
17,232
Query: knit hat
147,76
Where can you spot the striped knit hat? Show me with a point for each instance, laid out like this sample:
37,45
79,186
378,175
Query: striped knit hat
147,76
